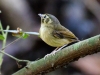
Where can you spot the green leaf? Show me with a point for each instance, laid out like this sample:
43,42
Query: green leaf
1,37
25,35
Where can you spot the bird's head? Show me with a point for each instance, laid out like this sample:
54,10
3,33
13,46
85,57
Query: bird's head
48,19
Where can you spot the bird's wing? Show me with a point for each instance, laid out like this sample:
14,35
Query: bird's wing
63,33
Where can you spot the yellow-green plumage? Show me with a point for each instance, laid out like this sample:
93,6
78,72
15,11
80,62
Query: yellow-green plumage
53,33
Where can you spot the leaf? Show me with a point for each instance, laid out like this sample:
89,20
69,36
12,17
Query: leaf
25,35
1,37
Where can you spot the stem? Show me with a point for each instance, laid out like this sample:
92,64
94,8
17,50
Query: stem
4,43
1,28
18,60
5,36
10,44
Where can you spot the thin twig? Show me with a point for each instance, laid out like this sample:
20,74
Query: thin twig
5,36
18,60
10,43
1,28
4,43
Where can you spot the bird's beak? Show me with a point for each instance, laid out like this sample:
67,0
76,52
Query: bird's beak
41,15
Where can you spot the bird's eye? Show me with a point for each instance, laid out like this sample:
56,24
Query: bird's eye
45,16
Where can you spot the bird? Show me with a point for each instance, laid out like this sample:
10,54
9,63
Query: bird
53,33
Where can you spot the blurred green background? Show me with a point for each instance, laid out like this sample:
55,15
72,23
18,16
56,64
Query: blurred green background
82,17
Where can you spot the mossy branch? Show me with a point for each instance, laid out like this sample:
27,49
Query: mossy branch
62,57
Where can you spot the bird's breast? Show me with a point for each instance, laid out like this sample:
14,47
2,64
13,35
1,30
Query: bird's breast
47,37
45,34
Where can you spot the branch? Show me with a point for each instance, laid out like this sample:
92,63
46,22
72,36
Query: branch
62,57
4,43
18,60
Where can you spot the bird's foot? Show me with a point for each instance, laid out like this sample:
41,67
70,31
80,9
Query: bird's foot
46,56
54,51
58,49
61,47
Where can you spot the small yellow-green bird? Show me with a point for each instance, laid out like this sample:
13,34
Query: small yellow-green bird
53,33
